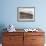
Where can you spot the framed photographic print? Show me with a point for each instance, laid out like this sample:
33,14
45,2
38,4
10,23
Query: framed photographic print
26,14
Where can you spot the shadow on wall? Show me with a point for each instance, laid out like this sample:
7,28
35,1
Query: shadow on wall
2,26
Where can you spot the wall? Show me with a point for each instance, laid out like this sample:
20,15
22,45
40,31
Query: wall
9,13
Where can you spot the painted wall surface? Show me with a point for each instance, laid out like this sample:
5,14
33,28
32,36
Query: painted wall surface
9,13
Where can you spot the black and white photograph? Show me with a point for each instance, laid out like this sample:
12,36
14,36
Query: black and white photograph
26,14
